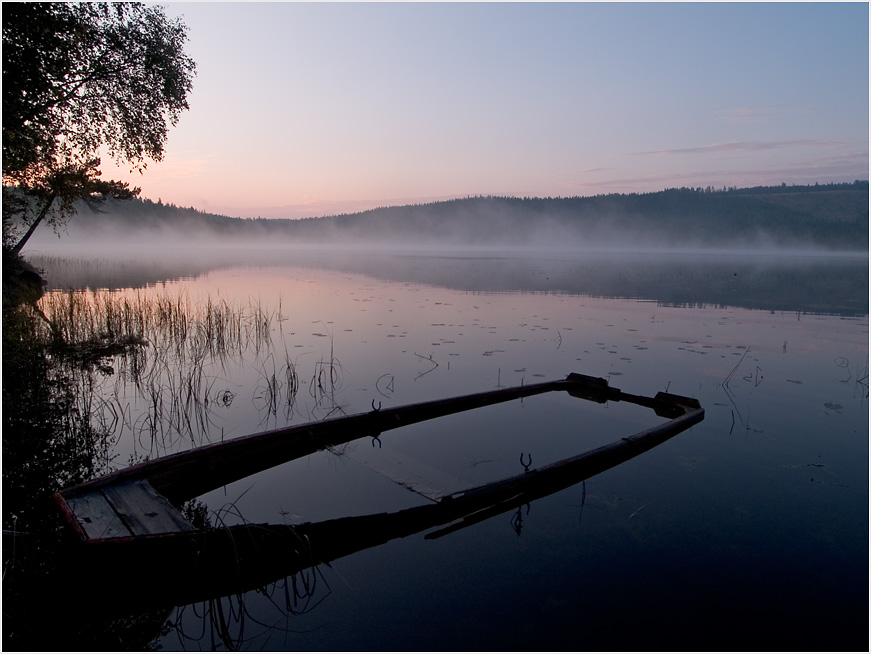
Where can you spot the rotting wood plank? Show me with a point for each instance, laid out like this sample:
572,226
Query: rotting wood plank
416,476
143,510
96,517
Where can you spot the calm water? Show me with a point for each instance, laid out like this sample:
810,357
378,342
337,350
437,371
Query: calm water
748,531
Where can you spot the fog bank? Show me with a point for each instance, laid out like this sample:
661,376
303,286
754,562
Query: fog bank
769,219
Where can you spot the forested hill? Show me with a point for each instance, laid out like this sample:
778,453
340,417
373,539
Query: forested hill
832,215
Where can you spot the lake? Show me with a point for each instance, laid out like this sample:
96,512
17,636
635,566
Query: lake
749,531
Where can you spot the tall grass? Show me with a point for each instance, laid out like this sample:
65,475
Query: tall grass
169,349
155,366
215,326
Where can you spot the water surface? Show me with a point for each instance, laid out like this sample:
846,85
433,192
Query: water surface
749,531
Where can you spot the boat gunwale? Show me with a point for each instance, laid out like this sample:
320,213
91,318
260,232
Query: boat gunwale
682,411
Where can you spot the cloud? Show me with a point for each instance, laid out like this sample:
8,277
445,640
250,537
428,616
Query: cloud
836,168
753,114
585,171
745,146
646,182
578,171
312,207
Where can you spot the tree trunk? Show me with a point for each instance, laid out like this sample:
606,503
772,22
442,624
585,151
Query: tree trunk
36,222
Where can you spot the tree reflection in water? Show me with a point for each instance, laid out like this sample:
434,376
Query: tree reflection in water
49,443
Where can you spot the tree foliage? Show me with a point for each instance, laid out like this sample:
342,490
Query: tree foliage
80,79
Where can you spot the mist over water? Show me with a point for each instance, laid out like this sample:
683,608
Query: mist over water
538,236
782,280
764,220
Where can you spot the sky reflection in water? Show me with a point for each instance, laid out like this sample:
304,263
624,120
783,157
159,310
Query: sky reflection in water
751,525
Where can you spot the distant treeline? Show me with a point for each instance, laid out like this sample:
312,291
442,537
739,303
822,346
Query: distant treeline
829,215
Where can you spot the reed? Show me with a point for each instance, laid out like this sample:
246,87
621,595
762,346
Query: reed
268,392
291,380
212,325
155,362
162,346
326,382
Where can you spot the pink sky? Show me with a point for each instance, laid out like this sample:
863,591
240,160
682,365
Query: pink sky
312,109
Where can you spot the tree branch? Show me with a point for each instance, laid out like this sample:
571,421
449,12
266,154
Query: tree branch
42,214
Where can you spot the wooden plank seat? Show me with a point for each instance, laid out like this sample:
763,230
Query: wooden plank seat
125,510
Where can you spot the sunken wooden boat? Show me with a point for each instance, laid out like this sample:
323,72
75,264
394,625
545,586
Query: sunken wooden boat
133,513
